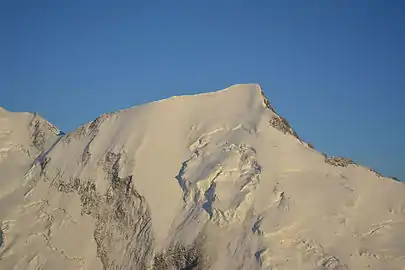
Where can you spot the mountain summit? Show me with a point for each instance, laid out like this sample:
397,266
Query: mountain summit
208,181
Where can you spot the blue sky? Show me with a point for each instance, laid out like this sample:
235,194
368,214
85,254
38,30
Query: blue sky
334,69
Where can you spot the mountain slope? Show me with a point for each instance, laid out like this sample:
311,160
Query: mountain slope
222,169
23,138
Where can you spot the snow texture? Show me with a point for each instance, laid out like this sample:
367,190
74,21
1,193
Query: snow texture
208,181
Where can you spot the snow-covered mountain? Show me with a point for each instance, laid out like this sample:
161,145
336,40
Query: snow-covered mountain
210,181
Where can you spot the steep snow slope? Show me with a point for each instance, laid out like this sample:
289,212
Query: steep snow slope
23,138
222,168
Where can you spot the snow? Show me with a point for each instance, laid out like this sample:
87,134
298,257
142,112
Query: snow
221,165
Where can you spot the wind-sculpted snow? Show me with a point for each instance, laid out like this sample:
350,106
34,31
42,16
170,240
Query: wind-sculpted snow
211,181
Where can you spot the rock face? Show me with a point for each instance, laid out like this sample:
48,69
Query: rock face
210,181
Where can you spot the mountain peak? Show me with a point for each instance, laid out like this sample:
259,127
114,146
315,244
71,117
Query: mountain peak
255,94
237,92
248,91
186,182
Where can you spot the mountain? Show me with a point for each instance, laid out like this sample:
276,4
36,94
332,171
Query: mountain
209,181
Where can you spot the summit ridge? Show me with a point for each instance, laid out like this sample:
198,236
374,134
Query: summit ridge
209,181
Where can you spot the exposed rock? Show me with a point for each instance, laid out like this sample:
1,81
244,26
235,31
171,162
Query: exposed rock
42,132
338,161
38,136
180,256
90,129
266,101
277,121
282,125
375,172
125,216
1,238
44,163
247,199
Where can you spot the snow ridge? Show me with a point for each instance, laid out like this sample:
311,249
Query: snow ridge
216,180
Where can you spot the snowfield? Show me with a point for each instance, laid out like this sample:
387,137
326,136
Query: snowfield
208,181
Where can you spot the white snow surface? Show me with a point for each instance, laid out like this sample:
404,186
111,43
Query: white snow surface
129,184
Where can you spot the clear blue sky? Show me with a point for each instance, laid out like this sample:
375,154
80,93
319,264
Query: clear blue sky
335,69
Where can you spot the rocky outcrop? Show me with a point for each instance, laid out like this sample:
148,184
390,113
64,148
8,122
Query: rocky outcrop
192,189
278,122
338,161
42,133
180,256
282,125
88,130
121,216
1,238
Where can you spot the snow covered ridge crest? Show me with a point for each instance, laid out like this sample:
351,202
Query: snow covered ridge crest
209,181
